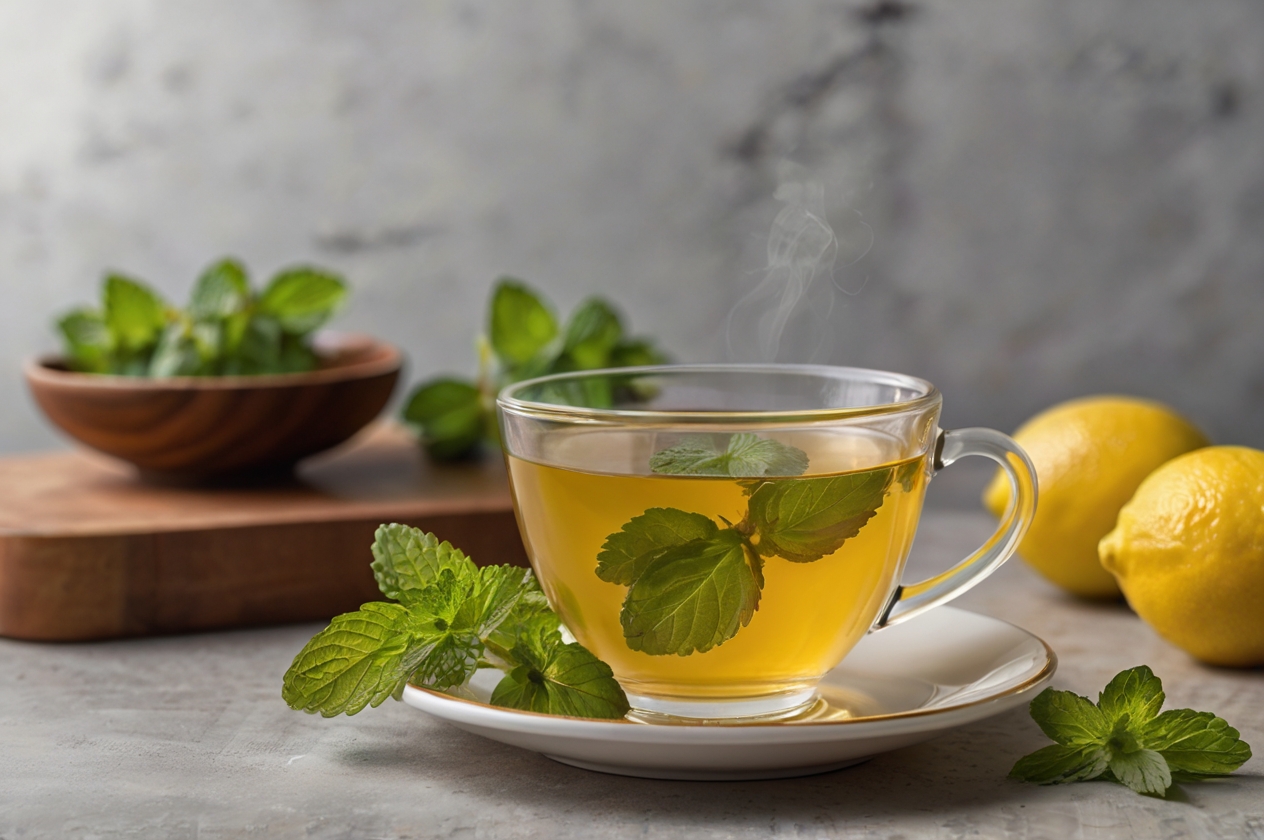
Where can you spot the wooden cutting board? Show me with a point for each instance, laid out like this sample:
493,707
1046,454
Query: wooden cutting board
87,551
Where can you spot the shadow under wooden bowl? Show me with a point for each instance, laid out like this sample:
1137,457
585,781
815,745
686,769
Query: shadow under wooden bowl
195,428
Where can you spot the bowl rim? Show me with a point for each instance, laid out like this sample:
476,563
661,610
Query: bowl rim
387,358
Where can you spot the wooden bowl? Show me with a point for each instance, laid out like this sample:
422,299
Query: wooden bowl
196,427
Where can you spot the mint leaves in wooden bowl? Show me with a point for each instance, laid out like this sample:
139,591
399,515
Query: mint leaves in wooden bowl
237,382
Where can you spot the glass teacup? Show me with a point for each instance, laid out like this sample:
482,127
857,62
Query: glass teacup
722,535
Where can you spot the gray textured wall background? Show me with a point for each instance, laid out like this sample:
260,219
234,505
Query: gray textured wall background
1067,196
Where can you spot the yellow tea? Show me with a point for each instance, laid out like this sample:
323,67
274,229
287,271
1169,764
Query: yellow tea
716,587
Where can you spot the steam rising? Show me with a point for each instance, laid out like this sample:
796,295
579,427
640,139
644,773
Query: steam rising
786,316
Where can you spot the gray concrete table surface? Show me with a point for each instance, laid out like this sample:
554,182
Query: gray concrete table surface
188,737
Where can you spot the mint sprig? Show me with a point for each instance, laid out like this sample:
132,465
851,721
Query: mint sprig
449,618
1124,738
693,583
227,328
454,418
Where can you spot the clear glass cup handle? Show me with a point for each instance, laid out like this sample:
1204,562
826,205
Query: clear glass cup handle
914,599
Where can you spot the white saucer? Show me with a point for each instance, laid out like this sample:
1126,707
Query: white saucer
900,686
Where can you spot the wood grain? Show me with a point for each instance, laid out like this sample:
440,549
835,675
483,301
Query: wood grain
197,427
89,552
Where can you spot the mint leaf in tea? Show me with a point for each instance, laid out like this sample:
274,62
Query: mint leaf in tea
644,538
807,519
693,597
745,455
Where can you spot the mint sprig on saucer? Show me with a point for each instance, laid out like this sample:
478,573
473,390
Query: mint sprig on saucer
1124,738
448,618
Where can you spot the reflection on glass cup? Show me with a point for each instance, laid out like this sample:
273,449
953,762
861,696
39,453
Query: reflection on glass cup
722,535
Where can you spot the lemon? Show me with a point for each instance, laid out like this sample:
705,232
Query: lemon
1189,554
1090,456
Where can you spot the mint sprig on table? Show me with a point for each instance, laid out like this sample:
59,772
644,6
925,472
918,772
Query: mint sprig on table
1124,738
694,583
446,619
228,328
454,417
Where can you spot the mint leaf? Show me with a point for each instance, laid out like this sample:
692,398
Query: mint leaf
222,290
1136,692
626,553
520,326
1060,764
449,417
692,597
207,338
175,355
1196,743
1069,719
806,519
301,299
233,331
259,350
571,681
694,455
1145,771
592,333
749,455
86,339
559,679
906,474
531,614
134,315
495,596
406,560
745,455
360,659
295,355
